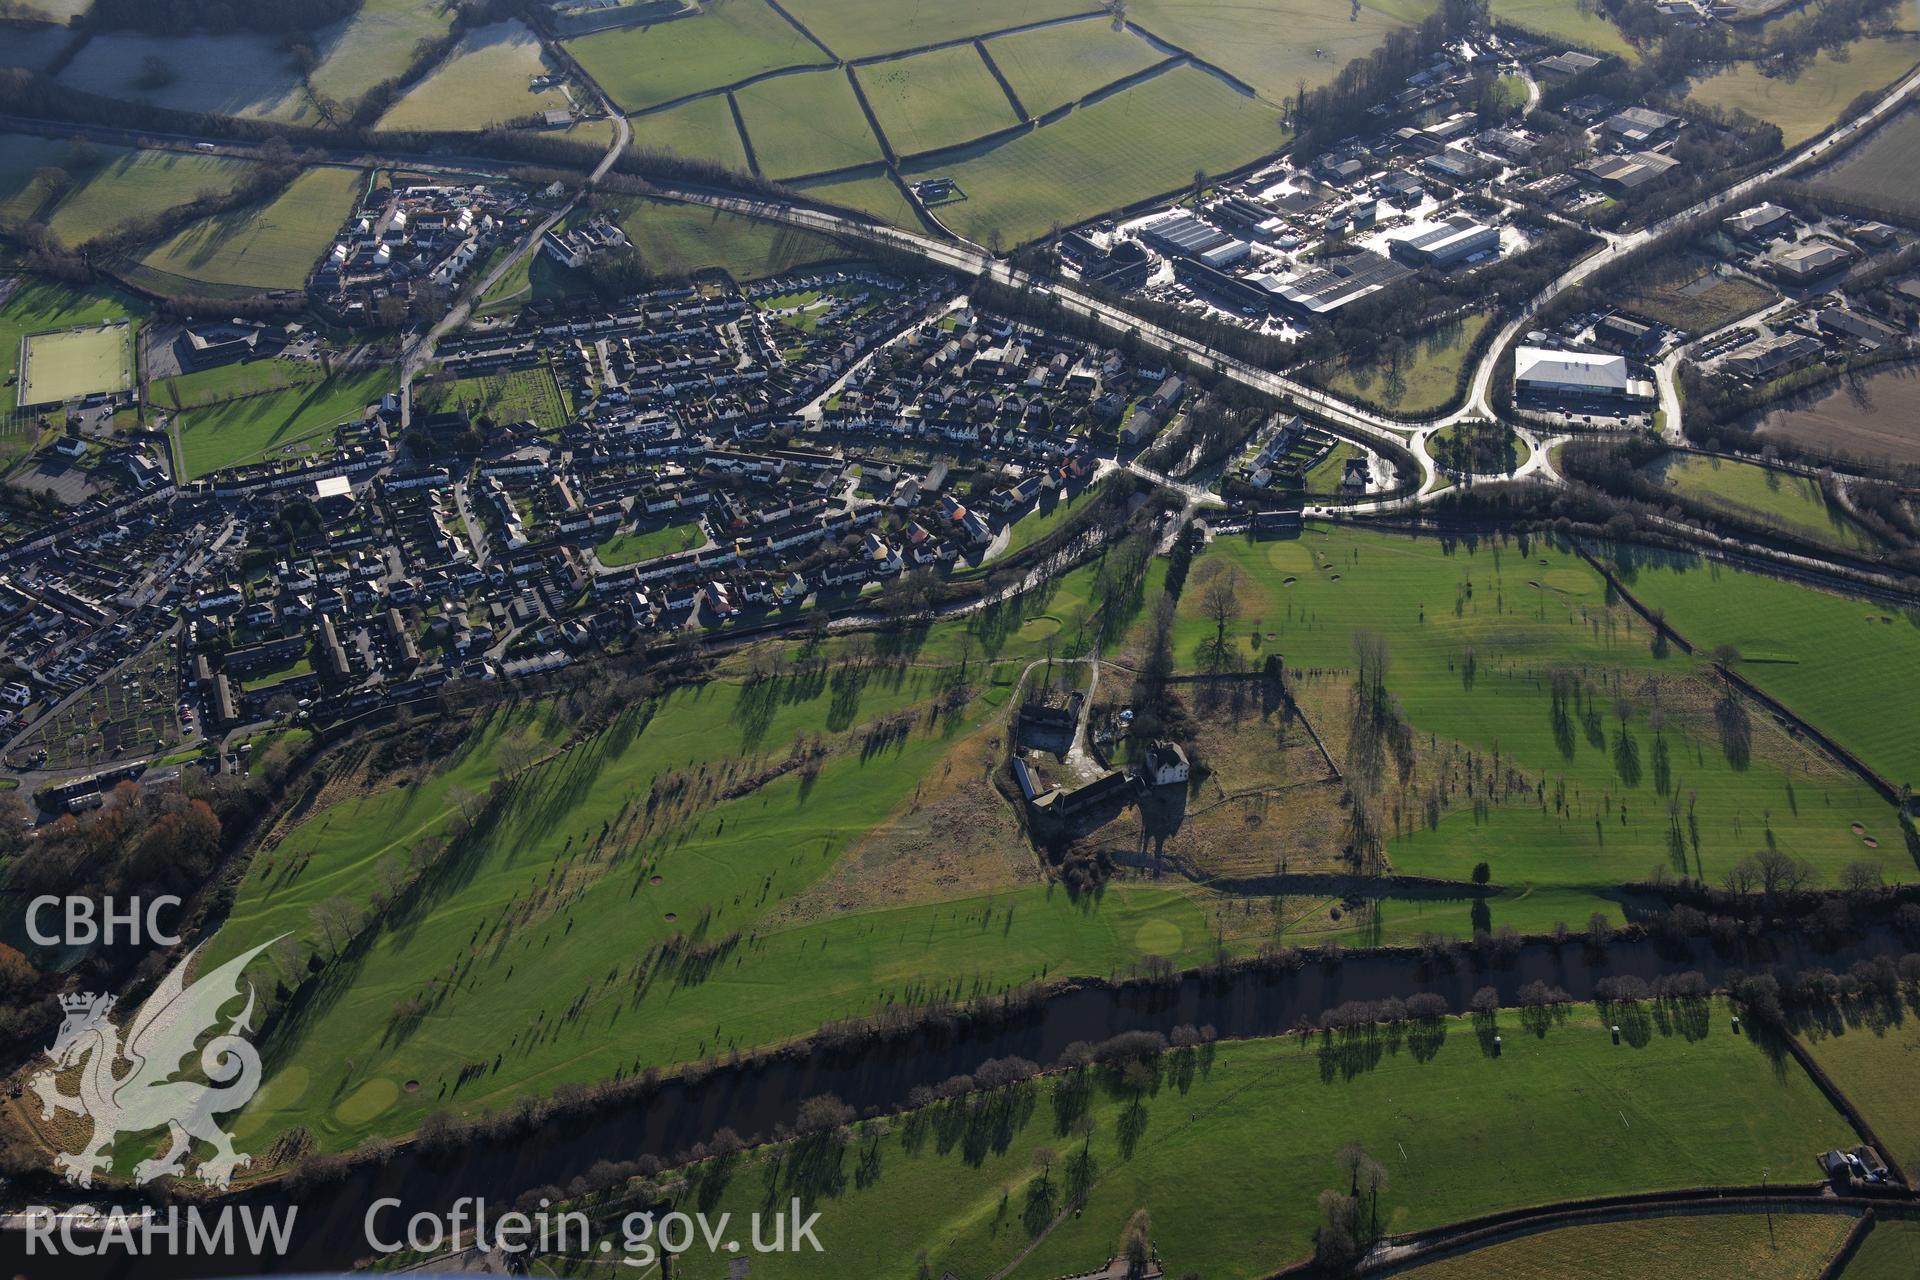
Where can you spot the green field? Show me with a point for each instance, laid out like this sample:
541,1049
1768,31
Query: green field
138,185
1051,66
732,41
1578,25
701,836
518,395
272,246
702,129
807,122
229,75
627,547
68,364
1429,377
1776,499
1561,1113
39,305
228,381
1143,141
935,100
1808,103
1890,1252
1324,477
1874,1061
260,428
1049,514
105,187
482,83
1476,636
872,192
374,45
1718,1246
865,28
1318,39
682,238
1825,656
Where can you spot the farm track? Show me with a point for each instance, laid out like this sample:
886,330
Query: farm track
1395,1257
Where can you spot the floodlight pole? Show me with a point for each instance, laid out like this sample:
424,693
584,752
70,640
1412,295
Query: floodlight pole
1767,1200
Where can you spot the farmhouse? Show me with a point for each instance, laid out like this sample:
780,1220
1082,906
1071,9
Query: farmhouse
1165,765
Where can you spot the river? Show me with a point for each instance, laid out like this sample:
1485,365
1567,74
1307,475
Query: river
328,1232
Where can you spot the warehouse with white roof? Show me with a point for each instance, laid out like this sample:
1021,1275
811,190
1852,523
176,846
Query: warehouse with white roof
1563,375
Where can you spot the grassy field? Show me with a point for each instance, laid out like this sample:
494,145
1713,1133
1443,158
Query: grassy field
243,378
38,305
935,100
1051,512
483,82
1876,170
229,75
627,547
808,122
733,40
684,237
136,185
1323,478
1320,38
373,46
296,420
1052,66
1692,296
864,28
871,191
1430,377
107,186
1873,1062
1822,655
1476,637
702,129
68,364
1808,103
273,246
1890,1252
1779,499
1143,141
1564,20
1576,1116
517,395
1720,1246
704,841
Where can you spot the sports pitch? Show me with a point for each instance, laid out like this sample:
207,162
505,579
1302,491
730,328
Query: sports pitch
66,364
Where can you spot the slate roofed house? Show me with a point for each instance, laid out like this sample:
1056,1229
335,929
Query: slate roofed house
1166,765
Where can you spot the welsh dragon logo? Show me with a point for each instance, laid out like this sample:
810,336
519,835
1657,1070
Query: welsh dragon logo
147,1096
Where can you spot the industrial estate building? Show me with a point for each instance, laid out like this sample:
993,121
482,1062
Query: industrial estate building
1452,242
